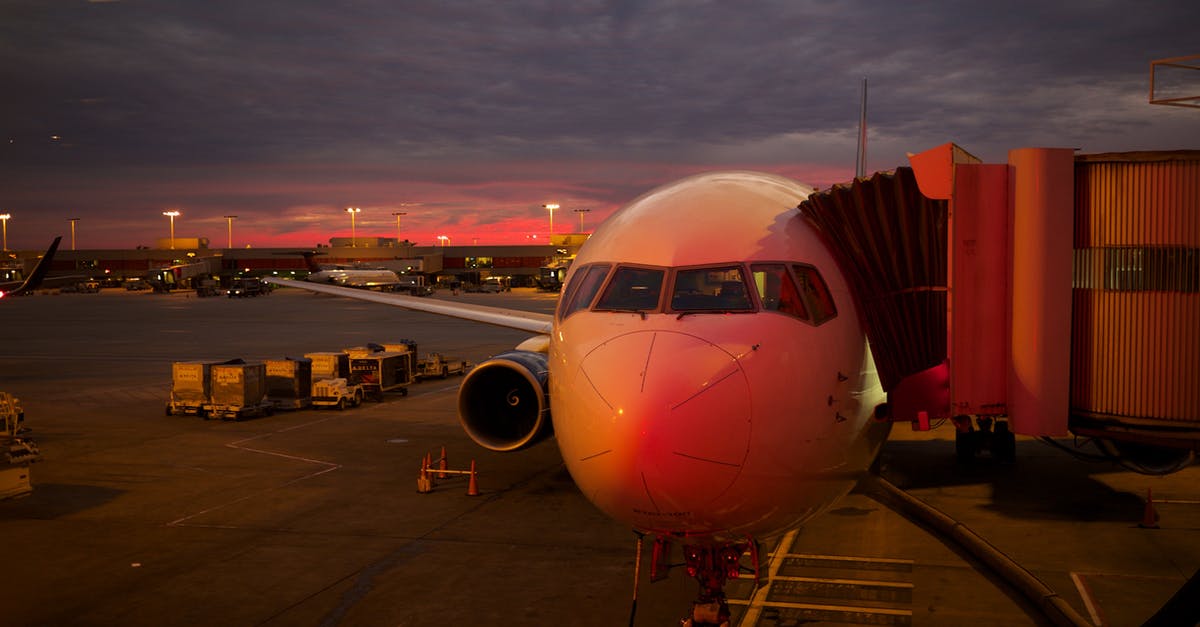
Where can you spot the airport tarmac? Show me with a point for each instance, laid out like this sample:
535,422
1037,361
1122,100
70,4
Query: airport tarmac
313,518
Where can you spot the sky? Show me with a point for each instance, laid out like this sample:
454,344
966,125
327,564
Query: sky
469,116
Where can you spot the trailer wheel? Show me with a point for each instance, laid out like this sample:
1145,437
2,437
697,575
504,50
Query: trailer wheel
404,391
169,412
341,404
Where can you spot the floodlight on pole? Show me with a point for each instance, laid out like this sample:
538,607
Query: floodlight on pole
172,215
551,207
229,222
445,239
353,234
581,212
4,218
398,214
72,221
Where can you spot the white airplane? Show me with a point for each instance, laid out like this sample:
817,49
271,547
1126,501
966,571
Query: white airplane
705,372
350,276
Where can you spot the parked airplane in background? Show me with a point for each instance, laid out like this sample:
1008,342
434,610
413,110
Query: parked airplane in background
37,276
713,387
350,276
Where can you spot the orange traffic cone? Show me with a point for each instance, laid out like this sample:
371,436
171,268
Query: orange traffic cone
443,464
1149,514
472,485
424,485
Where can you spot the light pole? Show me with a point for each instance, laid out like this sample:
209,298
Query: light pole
581,212
353,234
398,214
172,215
445,239
551,207
4,218
72,221
229,222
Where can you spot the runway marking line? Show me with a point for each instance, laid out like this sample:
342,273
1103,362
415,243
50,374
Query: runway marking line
1088,602
237,445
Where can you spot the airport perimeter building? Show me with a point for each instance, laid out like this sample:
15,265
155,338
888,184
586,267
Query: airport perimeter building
192,257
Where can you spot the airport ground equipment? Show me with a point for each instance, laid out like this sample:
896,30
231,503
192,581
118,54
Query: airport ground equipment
438,365
243,287
191,387
19,451
239,390
206,288
383,371
337,392
289,382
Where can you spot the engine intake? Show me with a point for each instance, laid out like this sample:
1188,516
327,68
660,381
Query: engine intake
503,403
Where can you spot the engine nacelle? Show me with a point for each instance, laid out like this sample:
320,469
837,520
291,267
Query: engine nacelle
503,403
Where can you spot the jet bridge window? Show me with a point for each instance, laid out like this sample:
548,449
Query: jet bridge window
777,290
710,289
632,289
582,289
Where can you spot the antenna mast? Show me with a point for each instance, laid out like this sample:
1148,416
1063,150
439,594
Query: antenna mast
860,161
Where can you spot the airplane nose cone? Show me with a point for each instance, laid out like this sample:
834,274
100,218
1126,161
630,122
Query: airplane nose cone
669,419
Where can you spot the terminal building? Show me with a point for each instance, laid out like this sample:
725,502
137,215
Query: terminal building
192,259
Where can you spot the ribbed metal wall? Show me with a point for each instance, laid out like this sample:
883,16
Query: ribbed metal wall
1136,297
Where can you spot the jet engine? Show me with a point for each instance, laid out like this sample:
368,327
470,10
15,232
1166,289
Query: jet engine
503,403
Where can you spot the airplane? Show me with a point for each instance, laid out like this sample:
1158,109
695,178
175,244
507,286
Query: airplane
37,277
368,278
705,374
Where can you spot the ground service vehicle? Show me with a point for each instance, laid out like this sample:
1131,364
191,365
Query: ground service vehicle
337,392
438,365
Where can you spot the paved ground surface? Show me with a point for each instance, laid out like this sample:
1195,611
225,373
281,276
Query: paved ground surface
312,518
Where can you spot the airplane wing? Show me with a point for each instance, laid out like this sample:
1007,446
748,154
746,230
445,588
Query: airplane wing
510,318
37,276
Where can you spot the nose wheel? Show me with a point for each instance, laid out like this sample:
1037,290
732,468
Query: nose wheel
711,565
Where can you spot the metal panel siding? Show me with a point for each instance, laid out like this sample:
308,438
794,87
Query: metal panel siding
979,259
1136,318
1040,301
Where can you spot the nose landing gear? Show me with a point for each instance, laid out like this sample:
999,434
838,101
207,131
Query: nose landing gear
711,565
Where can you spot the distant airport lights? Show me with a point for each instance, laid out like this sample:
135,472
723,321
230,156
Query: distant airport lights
229,222
353,233
398,214
551,207
172,215
581,212
4,218
72,221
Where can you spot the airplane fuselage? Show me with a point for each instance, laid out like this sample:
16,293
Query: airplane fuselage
698,404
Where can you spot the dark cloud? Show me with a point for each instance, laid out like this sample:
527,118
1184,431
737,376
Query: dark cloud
355,94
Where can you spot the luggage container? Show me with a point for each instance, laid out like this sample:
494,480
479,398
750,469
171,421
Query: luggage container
289,382
383,372
191,387
329,365
239,390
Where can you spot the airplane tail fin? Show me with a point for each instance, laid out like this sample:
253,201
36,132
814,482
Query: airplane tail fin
310,260
34,280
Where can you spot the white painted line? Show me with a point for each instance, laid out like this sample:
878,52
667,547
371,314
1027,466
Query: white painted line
1086,594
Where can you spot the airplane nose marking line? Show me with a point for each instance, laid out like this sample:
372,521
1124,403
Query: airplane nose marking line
595,455
704,389
646,366
709,461
599,394
649,495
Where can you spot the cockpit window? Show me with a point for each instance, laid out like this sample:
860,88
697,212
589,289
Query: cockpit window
777,290
710,289
632,289
581,291
815,293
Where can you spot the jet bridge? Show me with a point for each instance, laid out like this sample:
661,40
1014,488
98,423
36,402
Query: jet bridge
1059,292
